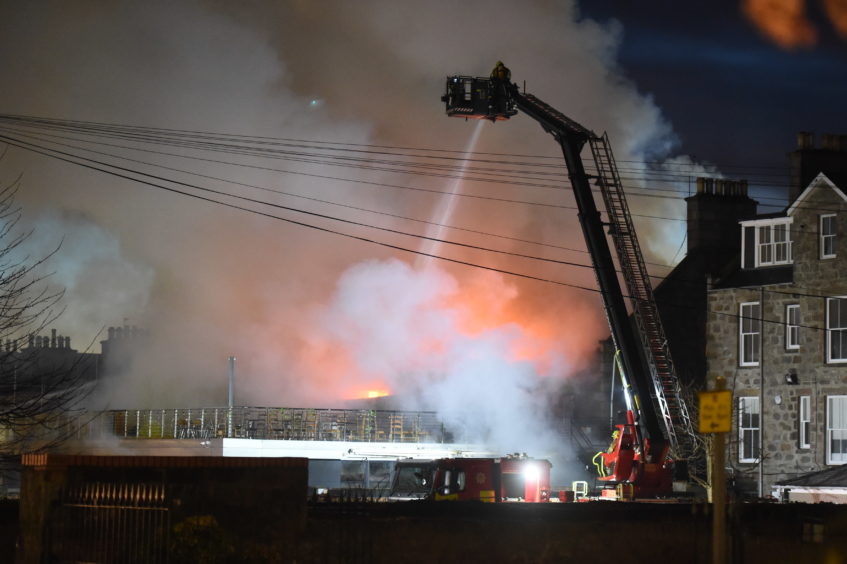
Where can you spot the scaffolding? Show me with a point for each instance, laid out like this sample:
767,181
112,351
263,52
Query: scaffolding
265,423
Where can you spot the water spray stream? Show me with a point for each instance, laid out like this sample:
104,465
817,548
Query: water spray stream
443,212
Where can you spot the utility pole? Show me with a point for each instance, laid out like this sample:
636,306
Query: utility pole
716,419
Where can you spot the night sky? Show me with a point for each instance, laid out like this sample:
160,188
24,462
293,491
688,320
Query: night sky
735,97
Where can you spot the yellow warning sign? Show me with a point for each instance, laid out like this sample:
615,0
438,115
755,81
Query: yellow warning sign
715,411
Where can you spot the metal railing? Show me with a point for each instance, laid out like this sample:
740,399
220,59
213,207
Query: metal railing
278,423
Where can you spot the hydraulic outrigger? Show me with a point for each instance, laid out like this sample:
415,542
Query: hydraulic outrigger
658,424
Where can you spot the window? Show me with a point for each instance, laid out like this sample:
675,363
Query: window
827,235
836,429
836,329
792,327
766,242
764,245
773,244
452,481
805,422
748,429
750,334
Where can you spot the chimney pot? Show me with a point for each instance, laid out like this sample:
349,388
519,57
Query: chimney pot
805,140
828,141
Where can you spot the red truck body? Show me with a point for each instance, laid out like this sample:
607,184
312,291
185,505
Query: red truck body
509,479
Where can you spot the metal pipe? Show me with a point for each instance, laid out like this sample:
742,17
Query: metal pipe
230,402
230,396
761,480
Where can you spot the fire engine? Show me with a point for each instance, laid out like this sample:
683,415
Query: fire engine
658,430
513,478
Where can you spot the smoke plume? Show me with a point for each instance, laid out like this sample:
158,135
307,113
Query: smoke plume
315,318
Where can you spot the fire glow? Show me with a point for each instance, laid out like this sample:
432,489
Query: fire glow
421,335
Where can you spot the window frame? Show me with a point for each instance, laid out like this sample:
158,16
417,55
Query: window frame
841,331
824,237
792,327
745,405
841,429
756,336
804,422
773,245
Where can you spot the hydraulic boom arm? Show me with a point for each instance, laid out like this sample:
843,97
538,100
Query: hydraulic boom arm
644,358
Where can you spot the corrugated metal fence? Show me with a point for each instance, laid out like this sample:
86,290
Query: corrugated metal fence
110,522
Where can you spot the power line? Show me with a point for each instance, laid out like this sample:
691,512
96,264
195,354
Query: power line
45,152
351,180
138,134
343,179
305,212
112,126
68,158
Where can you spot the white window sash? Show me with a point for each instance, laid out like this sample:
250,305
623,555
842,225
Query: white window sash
792,327
804,422
826,228
748,432
772,242
749,334
836,330
836,430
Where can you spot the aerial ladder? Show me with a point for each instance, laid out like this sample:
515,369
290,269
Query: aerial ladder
658,428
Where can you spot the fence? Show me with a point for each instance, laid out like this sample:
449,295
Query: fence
278,423
110,522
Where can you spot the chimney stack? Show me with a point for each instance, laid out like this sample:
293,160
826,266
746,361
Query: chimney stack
713,216
807,161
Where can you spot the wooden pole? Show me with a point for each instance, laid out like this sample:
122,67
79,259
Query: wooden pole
719,552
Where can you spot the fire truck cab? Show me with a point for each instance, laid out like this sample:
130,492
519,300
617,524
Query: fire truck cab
513,478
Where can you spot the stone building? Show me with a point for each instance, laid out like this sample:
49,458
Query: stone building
777,331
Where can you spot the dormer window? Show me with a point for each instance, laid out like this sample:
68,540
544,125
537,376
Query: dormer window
766,242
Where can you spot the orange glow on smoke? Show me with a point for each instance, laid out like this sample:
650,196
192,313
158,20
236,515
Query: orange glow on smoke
488,302
556,334
783,21
837,12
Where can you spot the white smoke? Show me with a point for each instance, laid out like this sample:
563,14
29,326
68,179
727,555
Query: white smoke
89,264
402,326
210,282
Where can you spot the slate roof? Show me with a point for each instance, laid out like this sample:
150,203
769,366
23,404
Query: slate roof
829,478
742,278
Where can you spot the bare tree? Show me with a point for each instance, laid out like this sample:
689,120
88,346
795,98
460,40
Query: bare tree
40,383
